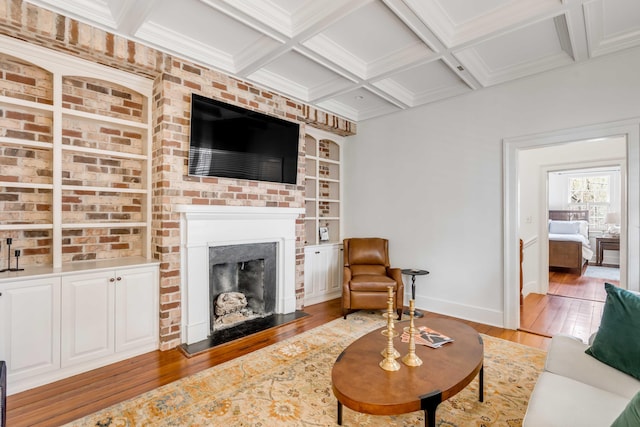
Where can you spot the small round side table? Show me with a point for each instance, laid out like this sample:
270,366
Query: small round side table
413,273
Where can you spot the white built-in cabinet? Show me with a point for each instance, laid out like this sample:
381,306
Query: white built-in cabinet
107,312
30,328
323,211
322,273
67,322
76,184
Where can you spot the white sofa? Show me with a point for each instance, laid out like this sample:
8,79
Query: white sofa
576,389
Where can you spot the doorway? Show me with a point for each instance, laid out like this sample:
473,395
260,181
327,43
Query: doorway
513,202
579,188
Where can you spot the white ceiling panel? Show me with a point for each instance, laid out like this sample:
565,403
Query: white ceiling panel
381,42
203,32
424,83
361,104
288,17
612,25
460,21
532,49
296,74
98,11
361,59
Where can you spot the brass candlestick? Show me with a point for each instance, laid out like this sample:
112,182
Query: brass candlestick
411,358
389,362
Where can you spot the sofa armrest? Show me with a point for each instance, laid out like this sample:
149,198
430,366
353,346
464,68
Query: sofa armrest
566,357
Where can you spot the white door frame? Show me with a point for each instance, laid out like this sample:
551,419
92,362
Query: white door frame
511,146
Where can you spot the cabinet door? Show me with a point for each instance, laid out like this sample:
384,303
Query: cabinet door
313,275
87,317
30,327
322,273
335,263
136,308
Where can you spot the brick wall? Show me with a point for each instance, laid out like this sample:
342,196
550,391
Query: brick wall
174,81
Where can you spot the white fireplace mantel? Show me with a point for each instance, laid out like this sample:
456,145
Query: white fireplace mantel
202,227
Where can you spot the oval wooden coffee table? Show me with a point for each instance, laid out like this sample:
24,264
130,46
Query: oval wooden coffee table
360,384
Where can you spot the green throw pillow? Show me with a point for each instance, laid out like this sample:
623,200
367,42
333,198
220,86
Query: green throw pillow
617,342
630,417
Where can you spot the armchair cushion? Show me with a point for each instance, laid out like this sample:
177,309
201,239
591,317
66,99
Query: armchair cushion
368,252
369,270
371,283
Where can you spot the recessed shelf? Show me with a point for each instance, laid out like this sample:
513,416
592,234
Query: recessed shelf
10,227
25,185
8,100
119,224
106,153
104,189
26,143
105,119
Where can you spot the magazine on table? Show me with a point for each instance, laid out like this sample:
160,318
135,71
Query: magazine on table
427,336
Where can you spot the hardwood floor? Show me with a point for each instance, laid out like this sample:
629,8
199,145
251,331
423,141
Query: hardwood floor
573,306
66,400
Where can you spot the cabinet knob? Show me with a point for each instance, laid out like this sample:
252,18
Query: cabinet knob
112,280
118,278
317,252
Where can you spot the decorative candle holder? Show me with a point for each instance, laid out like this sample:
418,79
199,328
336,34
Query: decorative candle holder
389,362
17,254
9,241
411,358
394,334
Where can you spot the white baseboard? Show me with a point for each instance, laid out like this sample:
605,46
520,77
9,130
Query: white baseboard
530,288
461,311
322,298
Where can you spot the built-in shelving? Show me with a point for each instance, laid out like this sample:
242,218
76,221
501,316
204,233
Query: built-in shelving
76,142
322,187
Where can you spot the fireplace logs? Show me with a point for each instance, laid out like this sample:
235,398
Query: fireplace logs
230,302
231,308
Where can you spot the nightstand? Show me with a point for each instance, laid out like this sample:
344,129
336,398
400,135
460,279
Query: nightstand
606,243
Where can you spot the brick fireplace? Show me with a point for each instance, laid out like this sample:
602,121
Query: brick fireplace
206,227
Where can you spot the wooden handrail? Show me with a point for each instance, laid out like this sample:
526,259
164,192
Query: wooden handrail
521,274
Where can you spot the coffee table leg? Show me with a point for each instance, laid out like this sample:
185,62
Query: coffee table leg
339,413
429,403
481,385
430,417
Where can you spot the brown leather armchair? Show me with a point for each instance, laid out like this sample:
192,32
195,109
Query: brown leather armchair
367,275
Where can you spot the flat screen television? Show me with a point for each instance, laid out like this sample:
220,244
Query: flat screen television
233,142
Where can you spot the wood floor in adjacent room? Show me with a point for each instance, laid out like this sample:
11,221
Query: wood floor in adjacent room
66,400
573,306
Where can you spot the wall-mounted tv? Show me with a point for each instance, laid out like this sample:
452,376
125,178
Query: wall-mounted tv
233,142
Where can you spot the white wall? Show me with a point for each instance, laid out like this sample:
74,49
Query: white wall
430,179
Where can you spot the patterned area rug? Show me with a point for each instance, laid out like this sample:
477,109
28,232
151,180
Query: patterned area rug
289,384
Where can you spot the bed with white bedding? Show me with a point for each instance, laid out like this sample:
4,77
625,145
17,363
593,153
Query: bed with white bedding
569,240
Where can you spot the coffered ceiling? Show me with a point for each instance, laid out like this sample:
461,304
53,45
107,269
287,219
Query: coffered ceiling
361,59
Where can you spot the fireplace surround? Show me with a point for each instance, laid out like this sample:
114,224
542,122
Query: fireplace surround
204,227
